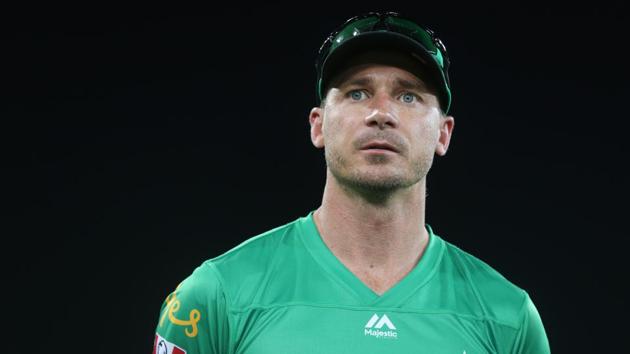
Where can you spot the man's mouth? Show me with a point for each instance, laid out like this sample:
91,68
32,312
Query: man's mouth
379,146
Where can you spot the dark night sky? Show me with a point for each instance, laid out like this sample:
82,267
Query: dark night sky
143,142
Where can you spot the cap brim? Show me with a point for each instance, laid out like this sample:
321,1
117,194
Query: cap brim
341,57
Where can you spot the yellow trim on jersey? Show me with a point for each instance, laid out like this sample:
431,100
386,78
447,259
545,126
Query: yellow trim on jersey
172,306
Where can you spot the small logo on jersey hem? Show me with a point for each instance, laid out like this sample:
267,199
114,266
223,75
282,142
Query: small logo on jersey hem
162,346
374,325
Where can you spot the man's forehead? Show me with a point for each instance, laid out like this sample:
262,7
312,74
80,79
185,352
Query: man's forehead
369,74
412,71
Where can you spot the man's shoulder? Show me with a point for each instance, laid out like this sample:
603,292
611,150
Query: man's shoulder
245,270
260,249
497,298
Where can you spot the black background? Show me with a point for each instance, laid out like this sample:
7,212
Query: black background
143,141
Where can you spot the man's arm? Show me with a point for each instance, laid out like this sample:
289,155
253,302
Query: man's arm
530,337
193,319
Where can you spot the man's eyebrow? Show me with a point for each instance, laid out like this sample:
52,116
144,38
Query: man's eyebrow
359,81
411,84
408,84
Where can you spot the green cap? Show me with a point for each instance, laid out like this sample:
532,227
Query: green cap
387,31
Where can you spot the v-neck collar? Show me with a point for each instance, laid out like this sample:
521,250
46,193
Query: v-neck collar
394,296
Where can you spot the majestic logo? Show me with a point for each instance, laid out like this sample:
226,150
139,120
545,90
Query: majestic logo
374,325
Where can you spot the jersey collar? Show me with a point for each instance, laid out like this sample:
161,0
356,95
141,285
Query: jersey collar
397,294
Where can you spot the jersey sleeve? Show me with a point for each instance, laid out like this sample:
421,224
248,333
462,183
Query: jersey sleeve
194,317
530,337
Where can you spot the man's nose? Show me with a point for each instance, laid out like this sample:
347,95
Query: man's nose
381,113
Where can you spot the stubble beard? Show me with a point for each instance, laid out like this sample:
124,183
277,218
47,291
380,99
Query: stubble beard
377,181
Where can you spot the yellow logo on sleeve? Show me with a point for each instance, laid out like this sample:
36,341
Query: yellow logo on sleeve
172,306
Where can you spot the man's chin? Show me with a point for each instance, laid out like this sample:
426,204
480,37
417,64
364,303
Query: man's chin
371,182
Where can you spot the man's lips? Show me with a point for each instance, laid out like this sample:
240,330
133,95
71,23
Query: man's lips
380,145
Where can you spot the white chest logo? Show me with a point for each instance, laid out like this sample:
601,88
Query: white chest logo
374,325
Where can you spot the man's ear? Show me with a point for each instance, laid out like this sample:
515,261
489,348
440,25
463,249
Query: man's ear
446,131
316,119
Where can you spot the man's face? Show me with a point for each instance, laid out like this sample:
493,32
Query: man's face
380,128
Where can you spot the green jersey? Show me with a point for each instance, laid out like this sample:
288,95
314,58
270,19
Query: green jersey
284,291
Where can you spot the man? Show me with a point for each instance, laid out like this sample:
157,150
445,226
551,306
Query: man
363,273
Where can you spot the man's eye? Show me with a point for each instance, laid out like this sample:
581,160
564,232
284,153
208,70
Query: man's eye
408,97
356,95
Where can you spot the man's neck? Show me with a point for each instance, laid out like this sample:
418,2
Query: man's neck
380,242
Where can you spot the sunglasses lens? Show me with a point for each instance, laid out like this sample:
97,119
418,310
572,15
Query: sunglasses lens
354,29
